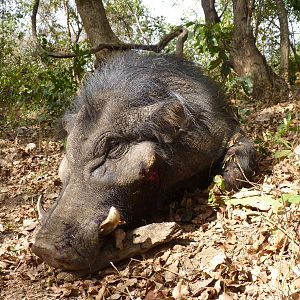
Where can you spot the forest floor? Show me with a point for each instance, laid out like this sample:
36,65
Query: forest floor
245,248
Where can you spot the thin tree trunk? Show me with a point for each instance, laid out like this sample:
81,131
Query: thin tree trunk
248,61
284,39
96,25
211,16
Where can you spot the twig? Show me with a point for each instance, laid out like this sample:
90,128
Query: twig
137,22
224,10
122,279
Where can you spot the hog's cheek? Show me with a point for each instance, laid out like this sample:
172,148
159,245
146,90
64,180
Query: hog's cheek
133,166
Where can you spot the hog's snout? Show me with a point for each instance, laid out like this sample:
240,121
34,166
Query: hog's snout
61,258
68,243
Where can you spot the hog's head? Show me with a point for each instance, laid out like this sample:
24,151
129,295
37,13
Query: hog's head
140,127
120,159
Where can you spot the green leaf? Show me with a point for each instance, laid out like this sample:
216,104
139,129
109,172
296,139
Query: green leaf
290,198
215,63
263,202
219,181
211,198
282,153
225,68
188,24
248,85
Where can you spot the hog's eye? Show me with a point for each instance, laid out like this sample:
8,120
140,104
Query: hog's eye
117,149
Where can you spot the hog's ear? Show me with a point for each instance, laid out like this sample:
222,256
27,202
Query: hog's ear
170,119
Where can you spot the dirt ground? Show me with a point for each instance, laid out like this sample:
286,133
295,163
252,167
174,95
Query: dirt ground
242,246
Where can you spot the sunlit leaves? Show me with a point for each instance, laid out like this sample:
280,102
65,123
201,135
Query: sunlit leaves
212,40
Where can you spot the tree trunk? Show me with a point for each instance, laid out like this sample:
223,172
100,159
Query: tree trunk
96,25
284,39
248,61
211,16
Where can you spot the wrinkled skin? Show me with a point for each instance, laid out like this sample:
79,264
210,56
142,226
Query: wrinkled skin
140,127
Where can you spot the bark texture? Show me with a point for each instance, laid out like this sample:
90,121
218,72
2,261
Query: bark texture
284,39
248,61
96,25
211,16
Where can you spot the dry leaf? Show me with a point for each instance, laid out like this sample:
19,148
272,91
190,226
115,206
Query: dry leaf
29,224
165,256
101,293
295,296
171,272
115,296
296,284
180,291
29,147
208,293
274,276
224,296
217,260
296,270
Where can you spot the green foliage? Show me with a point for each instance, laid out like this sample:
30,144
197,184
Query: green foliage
16,249
212,198
219,182
261,202
82,60
236,83
284,148
34,86
30,82
294,7
290,198
277,140
212,41
267,32
264,202
215,193
294,67
132,22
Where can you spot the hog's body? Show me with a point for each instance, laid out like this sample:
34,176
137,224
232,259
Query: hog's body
141,127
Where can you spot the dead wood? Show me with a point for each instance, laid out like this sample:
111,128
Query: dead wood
136,242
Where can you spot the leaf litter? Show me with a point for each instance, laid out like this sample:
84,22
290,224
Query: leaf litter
244,247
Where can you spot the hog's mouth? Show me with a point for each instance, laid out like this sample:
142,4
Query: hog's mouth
65,256
60,258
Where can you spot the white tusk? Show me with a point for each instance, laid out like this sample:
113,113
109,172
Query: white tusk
40,209
111,222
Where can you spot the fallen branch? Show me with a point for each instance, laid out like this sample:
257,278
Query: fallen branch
181,33
137,242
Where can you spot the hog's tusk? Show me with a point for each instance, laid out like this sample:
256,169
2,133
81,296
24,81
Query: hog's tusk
40,209
111,222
